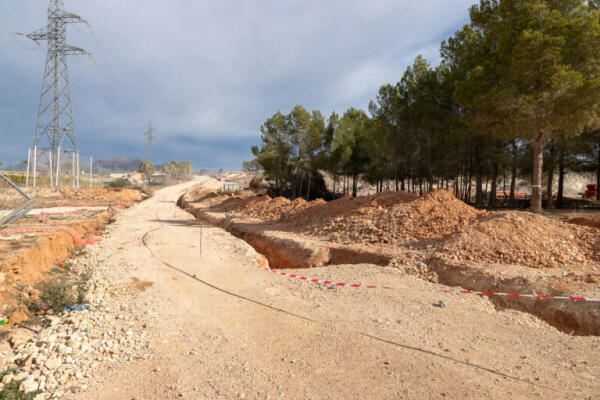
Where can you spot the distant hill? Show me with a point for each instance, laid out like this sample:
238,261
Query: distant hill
117,164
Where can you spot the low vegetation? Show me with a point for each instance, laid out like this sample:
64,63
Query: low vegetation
60,290
10,391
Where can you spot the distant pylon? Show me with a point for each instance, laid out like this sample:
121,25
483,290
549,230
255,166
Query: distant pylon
55,113
149,147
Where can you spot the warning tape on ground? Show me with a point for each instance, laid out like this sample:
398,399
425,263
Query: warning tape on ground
361,286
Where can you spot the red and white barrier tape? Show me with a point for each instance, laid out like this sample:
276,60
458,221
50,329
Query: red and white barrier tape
361,286
531,296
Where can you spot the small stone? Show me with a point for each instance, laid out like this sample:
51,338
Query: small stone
28,386
53,363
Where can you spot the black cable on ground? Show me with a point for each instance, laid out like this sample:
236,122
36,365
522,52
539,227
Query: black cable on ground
387,341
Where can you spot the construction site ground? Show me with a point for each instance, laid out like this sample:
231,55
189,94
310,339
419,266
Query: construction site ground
435,237
65,219
227,329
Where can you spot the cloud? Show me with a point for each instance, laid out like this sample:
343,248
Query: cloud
212,70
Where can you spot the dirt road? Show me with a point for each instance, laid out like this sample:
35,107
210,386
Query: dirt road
228,330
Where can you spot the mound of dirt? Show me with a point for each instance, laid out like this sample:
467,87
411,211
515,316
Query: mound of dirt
278,209
391,218
594,221
523,238
322,211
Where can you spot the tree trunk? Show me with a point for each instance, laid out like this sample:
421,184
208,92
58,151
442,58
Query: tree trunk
301,183
456,194
538,165
354,184
513,174
334,179
485,191
308,189
478,177
468,186
561,174
598,175
550,177
493,188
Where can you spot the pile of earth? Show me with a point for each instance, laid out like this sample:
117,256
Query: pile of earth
524,238
278,209
438,222
392,218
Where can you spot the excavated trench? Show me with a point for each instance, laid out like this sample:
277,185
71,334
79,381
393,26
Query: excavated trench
284,250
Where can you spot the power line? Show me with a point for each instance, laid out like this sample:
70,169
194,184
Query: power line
149,146
55,113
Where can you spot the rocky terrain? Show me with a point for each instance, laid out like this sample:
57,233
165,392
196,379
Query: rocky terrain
59,353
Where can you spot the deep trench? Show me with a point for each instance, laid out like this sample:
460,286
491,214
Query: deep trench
571,317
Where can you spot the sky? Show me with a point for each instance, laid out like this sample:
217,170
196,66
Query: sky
208,73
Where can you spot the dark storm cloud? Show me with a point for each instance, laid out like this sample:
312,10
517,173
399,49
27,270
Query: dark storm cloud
209,72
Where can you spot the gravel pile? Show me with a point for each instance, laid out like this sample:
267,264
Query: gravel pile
63,354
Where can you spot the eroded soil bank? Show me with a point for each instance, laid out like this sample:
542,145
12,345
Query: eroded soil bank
31,248
436,238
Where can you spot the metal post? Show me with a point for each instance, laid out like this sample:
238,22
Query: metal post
57,167
78,172
201,241
91,175
28,163
34,164
55,112
73,169
51,169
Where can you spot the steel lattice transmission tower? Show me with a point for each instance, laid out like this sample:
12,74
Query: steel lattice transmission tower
55,114
149,146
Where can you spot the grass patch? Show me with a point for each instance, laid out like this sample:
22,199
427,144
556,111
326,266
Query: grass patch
61,290
11,390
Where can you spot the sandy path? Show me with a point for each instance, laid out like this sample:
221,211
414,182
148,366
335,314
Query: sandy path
229,330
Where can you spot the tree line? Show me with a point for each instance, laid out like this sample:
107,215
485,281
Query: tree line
172,171
516,95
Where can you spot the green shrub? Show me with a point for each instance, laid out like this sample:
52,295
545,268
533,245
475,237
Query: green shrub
57,294
118,183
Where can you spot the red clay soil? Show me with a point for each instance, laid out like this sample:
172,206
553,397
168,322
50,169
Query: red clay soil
26,258
35,244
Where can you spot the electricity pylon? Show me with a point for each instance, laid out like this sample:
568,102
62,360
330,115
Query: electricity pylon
149,148
55,113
